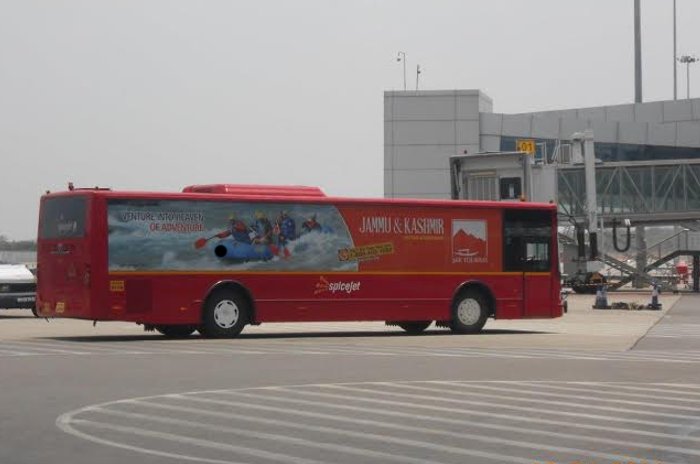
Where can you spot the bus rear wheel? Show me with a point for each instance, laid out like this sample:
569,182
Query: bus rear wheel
414,327
225,314
470,310
175,331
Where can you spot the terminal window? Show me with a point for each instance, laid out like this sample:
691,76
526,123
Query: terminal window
511,188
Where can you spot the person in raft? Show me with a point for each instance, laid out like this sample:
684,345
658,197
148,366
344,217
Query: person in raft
262,229
311,225
237,230
284,231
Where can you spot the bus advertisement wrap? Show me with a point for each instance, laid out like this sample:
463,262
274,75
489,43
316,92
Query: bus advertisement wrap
215,258
171,235
188,235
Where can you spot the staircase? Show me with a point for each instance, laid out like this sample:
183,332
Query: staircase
684,243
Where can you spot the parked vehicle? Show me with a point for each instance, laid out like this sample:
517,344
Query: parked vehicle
17,287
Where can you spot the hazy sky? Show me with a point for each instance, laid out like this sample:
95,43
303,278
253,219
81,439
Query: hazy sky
156,95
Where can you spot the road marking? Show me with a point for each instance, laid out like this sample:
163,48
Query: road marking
476,403
269,436
626,394
413,443
671,330
240,348
360,424
517,400
561,395
423,430
31,346
195,441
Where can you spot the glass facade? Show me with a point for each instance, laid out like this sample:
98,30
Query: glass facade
608,152
632,189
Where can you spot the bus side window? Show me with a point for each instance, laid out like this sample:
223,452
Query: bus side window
527,239
537,256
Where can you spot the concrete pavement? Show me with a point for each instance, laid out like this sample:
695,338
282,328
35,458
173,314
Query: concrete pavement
584,388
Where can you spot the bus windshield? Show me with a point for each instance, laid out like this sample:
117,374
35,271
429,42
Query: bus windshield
63,217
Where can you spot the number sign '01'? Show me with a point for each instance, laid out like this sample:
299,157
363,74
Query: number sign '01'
526,146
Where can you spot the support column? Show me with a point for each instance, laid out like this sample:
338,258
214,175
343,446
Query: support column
641,245
696,273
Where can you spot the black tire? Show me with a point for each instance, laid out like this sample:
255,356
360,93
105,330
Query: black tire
175,331
225,314
414,327
470,310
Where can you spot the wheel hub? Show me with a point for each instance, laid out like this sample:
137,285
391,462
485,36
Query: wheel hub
226,314
469,311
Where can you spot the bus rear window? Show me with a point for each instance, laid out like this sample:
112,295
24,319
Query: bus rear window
63,217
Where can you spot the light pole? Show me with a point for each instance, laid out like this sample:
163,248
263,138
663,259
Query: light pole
637,53
675,66
418,71
688,60
401,57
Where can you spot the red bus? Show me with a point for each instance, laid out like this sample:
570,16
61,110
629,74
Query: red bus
215,258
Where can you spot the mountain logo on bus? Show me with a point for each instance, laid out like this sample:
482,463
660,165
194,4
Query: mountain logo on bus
469,241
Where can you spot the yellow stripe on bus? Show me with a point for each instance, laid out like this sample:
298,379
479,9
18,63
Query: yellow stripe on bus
315,273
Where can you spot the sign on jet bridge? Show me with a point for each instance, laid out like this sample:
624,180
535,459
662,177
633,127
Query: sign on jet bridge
526,145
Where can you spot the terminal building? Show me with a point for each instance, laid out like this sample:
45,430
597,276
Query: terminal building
450,144
422,129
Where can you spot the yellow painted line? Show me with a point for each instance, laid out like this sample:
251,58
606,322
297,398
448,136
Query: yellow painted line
315,273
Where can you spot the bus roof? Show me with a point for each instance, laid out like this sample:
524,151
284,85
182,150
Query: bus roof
257,190
289,194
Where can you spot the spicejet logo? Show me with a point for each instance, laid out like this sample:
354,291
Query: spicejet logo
469,241
324,285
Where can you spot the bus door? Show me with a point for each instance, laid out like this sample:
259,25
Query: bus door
528,248
63,270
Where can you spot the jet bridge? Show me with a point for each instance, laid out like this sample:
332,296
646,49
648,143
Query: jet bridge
645,193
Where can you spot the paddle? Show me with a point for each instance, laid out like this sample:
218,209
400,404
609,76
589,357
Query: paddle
203,241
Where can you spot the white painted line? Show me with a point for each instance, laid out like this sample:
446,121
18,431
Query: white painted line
413,418
609,394
420,444
88,347
6,353
665,391
272,436
193,441
479,403
664,355
520,391
547,403
41,349
64,423
683,432
442,419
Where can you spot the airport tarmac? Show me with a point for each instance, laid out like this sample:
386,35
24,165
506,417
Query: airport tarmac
594,386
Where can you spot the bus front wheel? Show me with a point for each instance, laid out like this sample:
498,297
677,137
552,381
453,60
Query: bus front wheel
225,314
469,312
175,331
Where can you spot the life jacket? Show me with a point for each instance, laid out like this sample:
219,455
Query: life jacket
263,228
288,228
239,232
311,225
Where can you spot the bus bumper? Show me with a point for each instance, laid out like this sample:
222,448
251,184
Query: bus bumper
17,300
